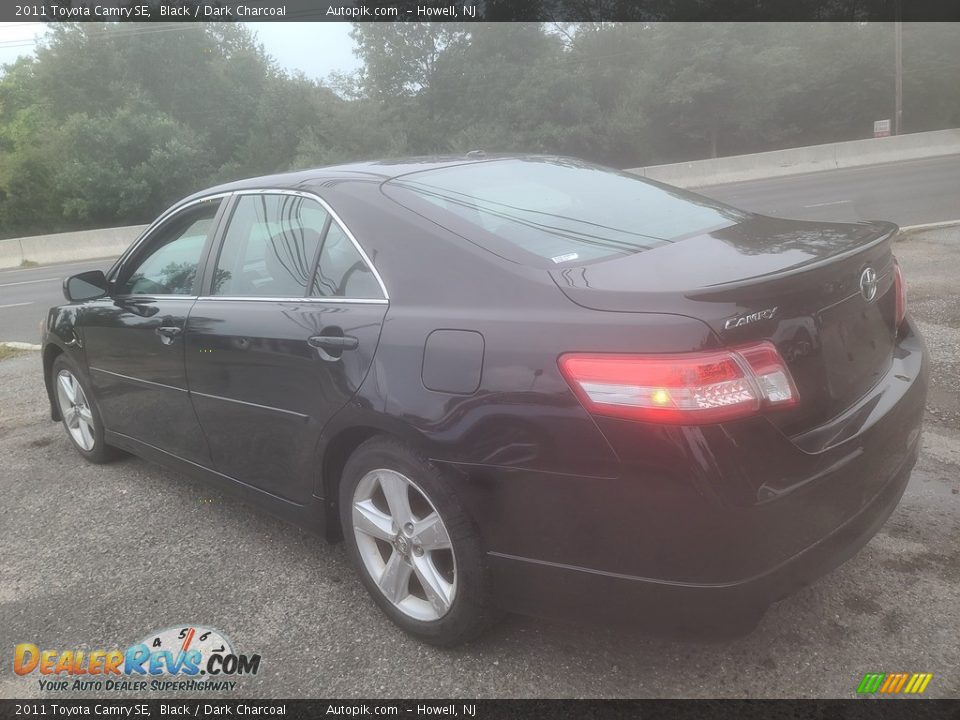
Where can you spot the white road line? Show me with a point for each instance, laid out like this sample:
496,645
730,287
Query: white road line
837,202
32,282
15,305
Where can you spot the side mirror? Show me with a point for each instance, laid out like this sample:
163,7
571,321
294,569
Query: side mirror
88,285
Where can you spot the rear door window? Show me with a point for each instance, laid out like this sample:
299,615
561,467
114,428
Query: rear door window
270,246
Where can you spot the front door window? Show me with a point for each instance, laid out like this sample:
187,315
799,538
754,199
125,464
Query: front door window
168,265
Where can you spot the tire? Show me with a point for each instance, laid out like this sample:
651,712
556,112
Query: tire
84,426
445,597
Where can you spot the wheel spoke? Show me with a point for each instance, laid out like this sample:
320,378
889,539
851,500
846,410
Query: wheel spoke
86,433
431,534
85,414
434,586
395,578
66,382
395,491
369,520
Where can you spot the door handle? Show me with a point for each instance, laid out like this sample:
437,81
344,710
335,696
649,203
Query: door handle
168,333
333,342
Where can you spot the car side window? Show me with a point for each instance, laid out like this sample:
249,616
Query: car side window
342,271
172,255
270,246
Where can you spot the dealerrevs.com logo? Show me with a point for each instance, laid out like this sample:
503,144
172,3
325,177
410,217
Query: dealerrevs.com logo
188,657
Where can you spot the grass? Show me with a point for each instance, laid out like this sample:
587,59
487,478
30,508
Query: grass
28,263
8,352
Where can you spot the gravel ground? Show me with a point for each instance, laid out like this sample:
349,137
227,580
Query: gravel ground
97,557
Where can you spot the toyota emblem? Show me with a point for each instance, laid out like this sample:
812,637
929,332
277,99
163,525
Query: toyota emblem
868,284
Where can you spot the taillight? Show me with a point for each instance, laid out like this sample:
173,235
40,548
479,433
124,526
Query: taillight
688,388
901,293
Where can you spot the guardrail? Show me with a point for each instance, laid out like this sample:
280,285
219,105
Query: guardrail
68,247
812,158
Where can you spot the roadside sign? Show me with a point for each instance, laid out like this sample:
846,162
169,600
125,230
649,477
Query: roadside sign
881,128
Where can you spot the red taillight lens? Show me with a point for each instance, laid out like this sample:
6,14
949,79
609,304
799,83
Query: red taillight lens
689,388
901,293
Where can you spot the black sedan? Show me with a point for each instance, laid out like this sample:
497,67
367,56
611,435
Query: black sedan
514,383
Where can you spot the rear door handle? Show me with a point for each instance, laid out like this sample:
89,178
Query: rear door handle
333,342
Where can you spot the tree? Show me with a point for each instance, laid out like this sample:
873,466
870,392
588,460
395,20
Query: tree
110,122
127,164
401,59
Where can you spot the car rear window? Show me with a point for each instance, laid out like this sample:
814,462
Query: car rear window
552,211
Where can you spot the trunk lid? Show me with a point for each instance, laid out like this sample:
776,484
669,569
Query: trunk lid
797,284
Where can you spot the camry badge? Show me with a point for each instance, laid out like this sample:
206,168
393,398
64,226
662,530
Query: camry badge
741,320
868,283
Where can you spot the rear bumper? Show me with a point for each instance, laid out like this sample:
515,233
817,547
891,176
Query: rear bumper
716,519
555,590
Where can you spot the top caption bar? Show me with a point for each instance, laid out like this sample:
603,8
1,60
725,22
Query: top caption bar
488,10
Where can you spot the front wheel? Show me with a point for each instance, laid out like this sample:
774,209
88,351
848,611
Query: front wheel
416,550
79,413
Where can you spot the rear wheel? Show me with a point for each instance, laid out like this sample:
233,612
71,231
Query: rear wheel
415,549
79,413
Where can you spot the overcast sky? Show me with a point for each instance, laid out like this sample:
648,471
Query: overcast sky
315,48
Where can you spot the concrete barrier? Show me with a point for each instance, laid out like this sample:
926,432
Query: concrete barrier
813,158
110,242
68,247
11,253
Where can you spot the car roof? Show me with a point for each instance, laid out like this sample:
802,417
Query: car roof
372,170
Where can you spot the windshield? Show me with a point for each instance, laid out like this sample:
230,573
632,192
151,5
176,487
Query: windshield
559,210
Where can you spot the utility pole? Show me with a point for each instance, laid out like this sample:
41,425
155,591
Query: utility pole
898,45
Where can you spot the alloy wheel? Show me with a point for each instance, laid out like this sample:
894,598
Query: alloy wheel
75,410
404,544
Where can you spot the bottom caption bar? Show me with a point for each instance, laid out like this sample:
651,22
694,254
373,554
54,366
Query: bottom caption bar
486,709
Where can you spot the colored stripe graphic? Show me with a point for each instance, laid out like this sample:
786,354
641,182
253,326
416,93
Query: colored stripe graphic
870,683
927,677
894,683
899,680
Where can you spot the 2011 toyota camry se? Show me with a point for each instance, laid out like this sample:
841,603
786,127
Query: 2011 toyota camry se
513,383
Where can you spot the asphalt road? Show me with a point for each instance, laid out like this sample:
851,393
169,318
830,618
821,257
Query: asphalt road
97,557
913,192
908,193
26,294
